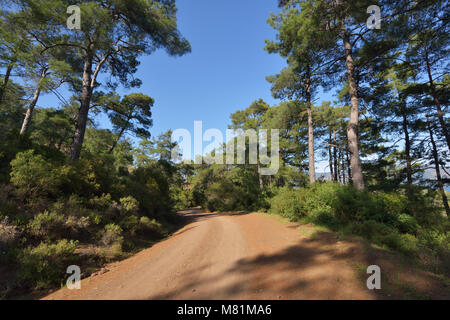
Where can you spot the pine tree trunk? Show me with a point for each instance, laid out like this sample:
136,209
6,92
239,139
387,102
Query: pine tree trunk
438,171
352,129
407,147
338,166
27,120
330,155
336,170
83,112
312,170
261,184
440,114
349,168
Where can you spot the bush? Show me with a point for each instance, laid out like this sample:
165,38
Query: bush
407,224
32,174
219,188
129,204
223,196
101,203
130,224
147,225
324,216
45,265
9,235
378,216
183,198
150,187
112,234
409,244
48,225
112,241
54,226
288,203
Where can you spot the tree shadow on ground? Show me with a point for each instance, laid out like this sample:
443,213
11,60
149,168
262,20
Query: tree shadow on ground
322,267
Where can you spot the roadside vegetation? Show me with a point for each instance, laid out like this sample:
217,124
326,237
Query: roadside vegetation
72,193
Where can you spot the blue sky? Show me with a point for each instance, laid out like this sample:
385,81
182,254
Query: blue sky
225,71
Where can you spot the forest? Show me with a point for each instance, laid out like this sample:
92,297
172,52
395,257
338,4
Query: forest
72,192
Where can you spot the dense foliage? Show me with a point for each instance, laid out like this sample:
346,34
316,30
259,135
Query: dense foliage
71,192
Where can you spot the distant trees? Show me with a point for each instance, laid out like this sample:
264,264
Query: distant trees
251,118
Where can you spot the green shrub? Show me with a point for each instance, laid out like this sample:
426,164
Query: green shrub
409,244
150,187
32,174
45,265
112,234
288,203
223,196
323,216
435,240
407,224
374,230
391,240
101,203
48,225
54,226
130,224
378,216
183,198
77,225
219,188
147,225
129,204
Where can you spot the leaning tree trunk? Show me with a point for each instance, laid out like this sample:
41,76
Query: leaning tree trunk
352,129
438,171
312,170
5,81
116,142
27,120
440,114
83,112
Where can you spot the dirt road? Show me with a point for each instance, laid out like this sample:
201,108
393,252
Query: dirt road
249,256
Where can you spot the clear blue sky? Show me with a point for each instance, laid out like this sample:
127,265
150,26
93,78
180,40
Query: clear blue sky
225,71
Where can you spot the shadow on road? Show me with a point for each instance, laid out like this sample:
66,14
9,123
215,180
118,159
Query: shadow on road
307,270
320,268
